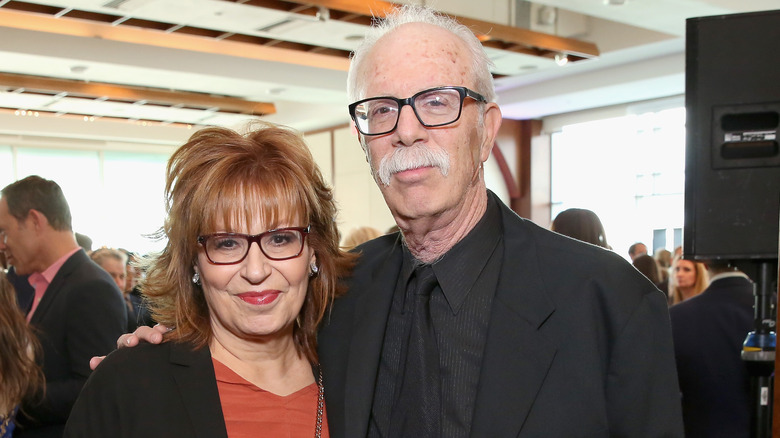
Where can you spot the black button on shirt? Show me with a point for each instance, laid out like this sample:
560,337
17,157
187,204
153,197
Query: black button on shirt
460,309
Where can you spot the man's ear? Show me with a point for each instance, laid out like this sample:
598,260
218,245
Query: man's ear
36,219
491,124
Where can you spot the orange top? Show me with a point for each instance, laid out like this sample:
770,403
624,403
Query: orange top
252,412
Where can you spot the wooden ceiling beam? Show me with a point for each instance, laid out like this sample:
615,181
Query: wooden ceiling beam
484,30
157,38
133,94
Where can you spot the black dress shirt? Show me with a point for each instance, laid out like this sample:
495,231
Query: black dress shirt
460,309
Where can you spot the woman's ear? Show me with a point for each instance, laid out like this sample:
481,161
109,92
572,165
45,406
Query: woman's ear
313,268
196,275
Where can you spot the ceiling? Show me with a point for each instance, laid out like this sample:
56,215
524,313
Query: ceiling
170,64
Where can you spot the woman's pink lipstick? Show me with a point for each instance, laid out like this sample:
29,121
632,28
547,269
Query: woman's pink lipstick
259,298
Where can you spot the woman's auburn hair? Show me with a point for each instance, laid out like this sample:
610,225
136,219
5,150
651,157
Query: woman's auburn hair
221,178
21,377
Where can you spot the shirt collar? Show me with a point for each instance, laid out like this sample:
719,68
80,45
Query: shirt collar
728,275
51,271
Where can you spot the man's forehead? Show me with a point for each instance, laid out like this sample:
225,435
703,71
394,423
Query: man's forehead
112,264
4,214
402,64
422,40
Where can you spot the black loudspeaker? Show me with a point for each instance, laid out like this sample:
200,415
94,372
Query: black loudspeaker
732,160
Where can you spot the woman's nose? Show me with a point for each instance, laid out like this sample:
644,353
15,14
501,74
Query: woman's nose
256,265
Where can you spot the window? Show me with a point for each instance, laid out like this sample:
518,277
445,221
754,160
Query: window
115,197
6,166
629,170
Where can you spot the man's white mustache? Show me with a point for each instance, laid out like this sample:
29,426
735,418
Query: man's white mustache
412,157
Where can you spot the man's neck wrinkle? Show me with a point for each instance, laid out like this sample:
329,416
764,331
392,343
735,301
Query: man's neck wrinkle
428,242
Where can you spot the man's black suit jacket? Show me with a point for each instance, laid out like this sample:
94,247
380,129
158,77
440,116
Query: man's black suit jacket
579,343
81,315
708,332
25,293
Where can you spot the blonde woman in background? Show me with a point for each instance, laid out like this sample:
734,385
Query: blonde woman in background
359,235
688,279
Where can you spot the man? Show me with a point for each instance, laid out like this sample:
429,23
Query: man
708,331
72,296
636,250
537,334
515,330
114,262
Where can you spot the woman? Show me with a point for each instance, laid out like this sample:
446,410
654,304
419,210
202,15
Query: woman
649,268
252,262
581,224
688,279
20,375
664,259
359,236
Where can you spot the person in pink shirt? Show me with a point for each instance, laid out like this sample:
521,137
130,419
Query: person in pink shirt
73,295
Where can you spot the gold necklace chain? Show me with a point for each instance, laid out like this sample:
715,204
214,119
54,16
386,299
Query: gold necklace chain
320,404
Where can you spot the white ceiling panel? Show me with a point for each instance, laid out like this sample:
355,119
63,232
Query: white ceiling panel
9,99
511,63
312,97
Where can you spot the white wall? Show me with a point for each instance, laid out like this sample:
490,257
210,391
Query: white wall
359,200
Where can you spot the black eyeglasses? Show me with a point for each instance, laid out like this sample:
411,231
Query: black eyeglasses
232,248
434,107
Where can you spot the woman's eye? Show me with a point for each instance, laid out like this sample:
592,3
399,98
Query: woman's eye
281,239
226,243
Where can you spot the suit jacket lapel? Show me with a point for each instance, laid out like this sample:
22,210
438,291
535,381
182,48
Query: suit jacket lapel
198,390
368,331
517,356
67,268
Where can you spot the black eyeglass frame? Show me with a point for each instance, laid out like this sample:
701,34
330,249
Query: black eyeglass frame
463,91
255,238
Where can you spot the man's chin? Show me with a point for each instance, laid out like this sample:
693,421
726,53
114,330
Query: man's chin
11,263
18,271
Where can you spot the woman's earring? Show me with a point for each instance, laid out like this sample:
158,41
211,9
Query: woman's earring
314,270
196,279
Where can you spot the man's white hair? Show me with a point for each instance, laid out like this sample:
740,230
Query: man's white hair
481,64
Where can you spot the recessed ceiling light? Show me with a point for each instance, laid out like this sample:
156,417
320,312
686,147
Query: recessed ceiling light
78,69
354,37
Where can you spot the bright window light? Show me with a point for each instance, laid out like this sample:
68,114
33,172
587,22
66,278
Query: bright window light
628,170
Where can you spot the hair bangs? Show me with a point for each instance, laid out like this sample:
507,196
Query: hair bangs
260,198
